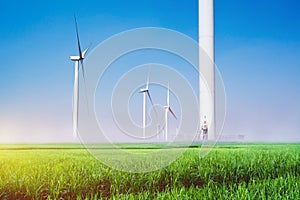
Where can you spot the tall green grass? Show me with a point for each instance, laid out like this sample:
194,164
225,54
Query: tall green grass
230,171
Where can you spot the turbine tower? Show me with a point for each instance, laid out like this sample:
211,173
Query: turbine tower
145,92
77,59
167,110
206,65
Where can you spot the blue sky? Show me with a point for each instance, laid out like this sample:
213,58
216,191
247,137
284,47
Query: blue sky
256,49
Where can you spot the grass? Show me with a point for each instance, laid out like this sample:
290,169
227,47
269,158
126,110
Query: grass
229,171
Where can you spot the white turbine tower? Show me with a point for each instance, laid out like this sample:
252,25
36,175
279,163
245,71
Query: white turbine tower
167,110
145,92
77,59
206,65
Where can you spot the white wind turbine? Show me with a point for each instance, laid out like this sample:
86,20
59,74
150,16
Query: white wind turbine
167,110
206,37
78,58
145,92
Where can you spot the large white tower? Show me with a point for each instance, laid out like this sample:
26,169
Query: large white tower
206,65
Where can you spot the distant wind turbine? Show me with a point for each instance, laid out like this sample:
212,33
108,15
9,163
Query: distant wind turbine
167,110
77,59
145,92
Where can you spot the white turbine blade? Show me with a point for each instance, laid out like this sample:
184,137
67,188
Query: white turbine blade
168,96
77,35
147,84
151,102
171,111
84,82
150,97
84,51
82,69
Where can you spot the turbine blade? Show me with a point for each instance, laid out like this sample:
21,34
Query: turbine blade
171,111
78,42
84,51
151,102
150,97
147,84
84,82
168,96
82,68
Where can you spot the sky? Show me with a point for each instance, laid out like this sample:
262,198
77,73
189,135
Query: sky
257,48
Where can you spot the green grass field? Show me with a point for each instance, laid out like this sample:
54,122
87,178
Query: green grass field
229,171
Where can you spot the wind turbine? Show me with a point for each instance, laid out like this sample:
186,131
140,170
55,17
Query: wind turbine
77,59
146,93
207,96
167,110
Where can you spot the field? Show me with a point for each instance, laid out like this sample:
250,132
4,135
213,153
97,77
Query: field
229,171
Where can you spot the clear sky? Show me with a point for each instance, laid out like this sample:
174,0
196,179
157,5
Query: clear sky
257,48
